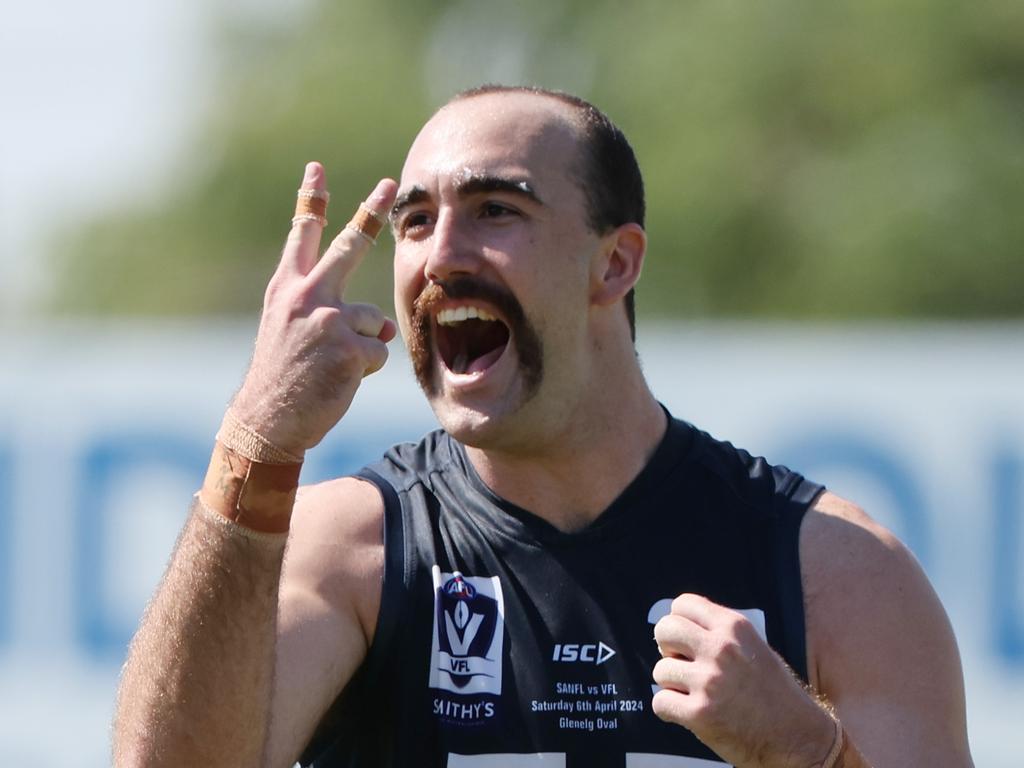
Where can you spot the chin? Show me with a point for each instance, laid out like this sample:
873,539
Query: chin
471,426
493,425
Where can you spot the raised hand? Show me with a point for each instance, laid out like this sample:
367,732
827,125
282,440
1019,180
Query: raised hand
726,684
313,349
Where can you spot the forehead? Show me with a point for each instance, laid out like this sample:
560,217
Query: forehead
507,134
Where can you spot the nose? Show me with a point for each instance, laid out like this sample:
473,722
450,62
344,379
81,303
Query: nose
450,253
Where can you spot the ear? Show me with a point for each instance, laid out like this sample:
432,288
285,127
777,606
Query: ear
618,266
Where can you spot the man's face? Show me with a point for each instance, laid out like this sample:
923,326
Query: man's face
492,263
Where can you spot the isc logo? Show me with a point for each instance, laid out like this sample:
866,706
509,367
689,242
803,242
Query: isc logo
589,653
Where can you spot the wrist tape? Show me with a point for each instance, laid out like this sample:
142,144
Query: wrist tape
245,441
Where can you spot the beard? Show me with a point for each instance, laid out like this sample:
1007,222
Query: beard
528,345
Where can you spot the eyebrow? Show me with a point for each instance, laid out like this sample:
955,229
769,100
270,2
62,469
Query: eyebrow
474,185
412,196
467,187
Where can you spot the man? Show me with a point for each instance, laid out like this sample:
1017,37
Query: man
487,597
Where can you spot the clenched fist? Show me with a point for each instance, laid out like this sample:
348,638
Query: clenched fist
724,683
313,349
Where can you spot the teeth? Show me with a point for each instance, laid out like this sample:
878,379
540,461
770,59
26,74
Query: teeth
457,315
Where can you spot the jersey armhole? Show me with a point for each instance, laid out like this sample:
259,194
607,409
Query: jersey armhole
395,587
794,504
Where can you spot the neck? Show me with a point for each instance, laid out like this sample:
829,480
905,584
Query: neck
574,475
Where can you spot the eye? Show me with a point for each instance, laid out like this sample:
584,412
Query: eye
413,223
495,210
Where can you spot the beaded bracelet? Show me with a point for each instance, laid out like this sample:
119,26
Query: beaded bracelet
837,746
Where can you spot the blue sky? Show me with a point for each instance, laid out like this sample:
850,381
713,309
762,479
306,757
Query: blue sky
99,100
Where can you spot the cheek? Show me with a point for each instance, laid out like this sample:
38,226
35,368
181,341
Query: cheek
409,282
564,275
405,294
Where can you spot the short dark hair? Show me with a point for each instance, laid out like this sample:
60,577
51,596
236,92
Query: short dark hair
610,176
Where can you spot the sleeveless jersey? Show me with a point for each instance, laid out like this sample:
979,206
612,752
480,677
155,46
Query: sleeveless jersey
504,642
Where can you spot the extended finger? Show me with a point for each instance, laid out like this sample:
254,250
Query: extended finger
346,251
303,243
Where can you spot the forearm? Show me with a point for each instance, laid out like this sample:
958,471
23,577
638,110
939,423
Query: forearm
196,687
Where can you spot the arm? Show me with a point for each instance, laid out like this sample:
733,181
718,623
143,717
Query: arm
198,674
197,686
880,651
880,646
329,601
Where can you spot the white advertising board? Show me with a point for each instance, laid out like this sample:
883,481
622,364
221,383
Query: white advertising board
105,432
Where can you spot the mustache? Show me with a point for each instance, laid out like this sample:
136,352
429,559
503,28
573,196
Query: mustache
466,287
523,335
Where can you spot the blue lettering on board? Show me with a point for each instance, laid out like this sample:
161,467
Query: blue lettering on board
6,550
816,454
1007,588
106,462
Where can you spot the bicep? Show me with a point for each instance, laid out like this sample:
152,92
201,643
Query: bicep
328,603
879,642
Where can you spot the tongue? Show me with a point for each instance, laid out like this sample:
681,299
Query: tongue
485,361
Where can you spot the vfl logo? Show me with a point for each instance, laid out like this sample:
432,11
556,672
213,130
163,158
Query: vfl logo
469,624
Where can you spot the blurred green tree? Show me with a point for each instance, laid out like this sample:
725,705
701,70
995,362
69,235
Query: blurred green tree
807,160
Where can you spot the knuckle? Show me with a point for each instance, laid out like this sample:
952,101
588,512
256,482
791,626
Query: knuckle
671,632
278,292
738,624
326,321
340,243
274,286
376,314
366,315
682,602
284,299
662,629
713,681
726,647
702,709
378,360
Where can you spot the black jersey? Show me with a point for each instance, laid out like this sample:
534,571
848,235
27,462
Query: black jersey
501,636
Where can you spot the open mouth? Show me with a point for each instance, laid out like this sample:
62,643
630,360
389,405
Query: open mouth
470,339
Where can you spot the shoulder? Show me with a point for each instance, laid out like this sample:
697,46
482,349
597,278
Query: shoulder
839,540
749,478
879,644
350,501
860,583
